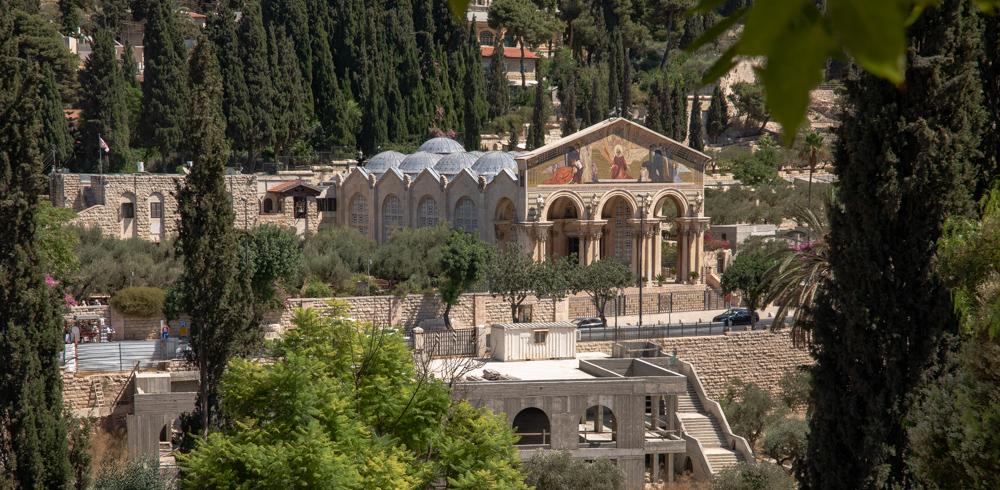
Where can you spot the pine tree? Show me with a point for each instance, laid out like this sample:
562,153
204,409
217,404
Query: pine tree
290,94
69,15
104,107
234,88
694,129
497,88
569,125
34,450
164,86
718,119
215,290
113,13
474,90
536,132
260,86
55,140
904,162
679,99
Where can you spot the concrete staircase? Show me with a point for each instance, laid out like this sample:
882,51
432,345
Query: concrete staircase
703,426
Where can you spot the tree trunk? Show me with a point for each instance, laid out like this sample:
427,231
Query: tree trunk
809,205
447,320
524,82
203,387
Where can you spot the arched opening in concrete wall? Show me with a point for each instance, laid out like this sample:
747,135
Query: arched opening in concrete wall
666,210
598,427
565,214
618,235
504,219
267,207
532,425
156,217
126,215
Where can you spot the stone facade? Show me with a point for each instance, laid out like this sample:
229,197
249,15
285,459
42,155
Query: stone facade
78,391
758,356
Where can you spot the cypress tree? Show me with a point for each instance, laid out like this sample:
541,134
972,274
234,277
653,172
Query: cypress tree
104,106
330,101
474,90
130,68
497,88
215,291
260,86
374,129
625,86
989,76
164,86
598,110
718,119
653,118
234,88
69,15
694,129
614,74
34,450
536,132
411,87
667,108
293,15
55,140
291,99
395,116
903,159
569,125
113,13
680,111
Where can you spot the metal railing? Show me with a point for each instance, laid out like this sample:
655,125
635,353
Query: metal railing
120,356
653,303
651,332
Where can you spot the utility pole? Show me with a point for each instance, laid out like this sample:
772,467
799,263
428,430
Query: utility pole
642,243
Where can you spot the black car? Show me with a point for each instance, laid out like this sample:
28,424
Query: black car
736,316
588,323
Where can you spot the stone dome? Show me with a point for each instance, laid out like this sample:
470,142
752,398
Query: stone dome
494,162
477,153
382,162
453,163
441,146
417,162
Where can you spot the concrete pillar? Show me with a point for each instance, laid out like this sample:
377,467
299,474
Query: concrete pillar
599,419
682,252
418,339
654,470
670,468
479,310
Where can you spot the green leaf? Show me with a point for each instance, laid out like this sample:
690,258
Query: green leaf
793,70
722,66
988,6
874,33
767,21
458,7
715,31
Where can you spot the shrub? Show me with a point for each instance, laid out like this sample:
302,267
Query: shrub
141,301
558,470
795,385
141,472
750,409
317,289
745,476
785,441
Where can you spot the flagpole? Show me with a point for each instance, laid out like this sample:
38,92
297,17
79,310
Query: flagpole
99,166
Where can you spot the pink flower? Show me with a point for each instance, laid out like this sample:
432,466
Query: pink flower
50,281
70,301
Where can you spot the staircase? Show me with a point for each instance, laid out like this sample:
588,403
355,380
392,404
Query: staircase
703,426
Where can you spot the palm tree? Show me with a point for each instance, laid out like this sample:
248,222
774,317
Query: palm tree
795,278
812,150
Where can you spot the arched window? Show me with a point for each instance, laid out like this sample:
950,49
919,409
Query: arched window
268,206
428,213
392,217
623,233
486,38
465,216
359,214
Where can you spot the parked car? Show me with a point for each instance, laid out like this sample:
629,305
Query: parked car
736,316
588,323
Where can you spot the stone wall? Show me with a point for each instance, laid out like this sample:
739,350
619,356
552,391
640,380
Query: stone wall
78,391
759,356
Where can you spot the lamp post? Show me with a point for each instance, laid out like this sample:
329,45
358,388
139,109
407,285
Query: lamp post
246,230
642,222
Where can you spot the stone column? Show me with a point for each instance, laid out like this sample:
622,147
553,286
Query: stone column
700,247
657,249
682,251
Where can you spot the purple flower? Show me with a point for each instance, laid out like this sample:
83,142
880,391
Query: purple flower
50,281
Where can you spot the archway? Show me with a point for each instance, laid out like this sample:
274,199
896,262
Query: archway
667,246
126,214
598,427
618,237
532,425
565,214
504,219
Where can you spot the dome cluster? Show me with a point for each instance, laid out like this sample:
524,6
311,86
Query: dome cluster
446,157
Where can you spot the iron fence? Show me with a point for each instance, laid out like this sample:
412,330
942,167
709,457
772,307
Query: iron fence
650,332
447,343
116,356
653,303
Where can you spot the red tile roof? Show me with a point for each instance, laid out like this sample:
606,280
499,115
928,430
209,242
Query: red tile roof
509,53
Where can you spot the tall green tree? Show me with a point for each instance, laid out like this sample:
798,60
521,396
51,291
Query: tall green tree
813,148
104,107
374,129
497,88
746,276
34,450
882,315
463,264
749,101
257,73
569,123
653,110
520,19
679,99
694,129
291,94
539,116
718,114
331,98
513,276
164,86
55,142
603,280
215,291
235,97
614,73
474,90
40,40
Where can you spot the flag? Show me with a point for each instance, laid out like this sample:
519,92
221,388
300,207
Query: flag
104,146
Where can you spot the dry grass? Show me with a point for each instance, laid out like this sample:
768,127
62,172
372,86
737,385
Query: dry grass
687,481
106,447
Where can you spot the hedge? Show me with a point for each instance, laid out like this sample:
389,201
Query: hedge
139,301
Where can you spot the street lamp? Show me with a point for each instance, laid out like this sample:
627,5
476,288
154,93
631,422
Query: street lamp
642,222
246,230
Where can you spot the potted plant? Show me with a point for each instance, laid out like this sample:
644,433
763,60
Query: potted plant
673,272
660,279
694,277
